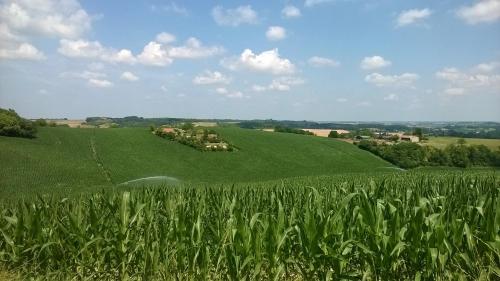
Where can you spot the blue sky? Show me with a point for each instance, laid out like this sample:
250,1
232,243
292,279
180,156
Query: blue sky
332,60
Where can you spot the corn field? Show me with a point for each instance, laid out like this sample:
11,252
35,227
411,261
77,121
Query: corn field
392,227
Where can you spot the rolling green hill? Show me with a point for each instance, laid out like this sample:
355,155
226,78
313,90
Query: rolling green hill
90,159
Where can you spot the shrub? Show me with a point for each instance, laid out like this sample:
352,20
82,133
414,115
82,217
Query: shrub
12,125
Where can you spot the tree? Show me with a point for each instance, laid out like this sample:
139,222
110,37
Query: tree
419,133
461,141
333,134
12,125
459,155
41,122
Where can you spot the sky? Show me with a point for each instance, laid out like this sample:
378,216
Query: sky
323,60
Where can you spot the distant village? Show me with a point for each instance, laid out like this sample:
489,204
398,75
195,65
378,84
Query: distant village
367,134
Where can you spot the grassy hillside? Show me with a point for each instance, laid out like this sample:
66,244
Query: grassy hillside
64,158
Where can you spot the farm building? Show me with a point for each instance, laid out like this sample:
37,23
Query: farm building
409,138
167,130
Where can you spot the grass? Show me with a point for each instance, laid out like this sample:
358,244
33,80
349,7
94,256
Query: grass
411,226
66,160
442,142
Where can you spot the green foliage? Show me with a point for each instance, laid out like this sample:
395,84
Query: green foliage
412,155
40,122
61,159
12,125
281,129
200,139
409,226
334,134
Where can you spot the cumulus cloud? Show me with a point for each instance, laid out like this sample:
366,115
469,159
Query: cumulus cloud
55,18
154,53
281,84
165,38
209,77
275,33
234,17
463,82
487,67
290,11
267,61
403,80
374,62
100,83
193,49
23,51
483,11
322,62
413,16
129,76
14,46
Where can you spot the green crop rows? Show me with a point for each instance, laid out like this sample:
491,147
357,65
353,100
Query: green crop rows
413,226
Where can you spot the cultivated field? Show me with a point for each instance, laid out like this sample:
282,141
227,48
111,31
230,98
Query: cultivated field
442,142
67,160
413,226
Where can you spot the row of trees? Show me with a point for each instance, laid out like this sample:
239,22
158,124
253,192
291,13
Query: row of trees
412,155
13,125
282,129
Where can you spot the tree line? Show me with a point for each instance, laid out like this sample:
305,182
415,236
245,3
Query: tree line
412,155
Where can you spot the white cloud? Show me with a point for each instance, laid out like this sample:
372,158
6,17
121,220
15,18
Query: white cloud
93,49
122,56
311,3
209,77
290,11
234,17
374,62
172,7
275,33
463,82
23,51
281,84
486,67
80,48
129,76
154,54
193,49
54,18
342,100
165,38
412,16
267,61
98,83
403,80
391,97
483,11
322,62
